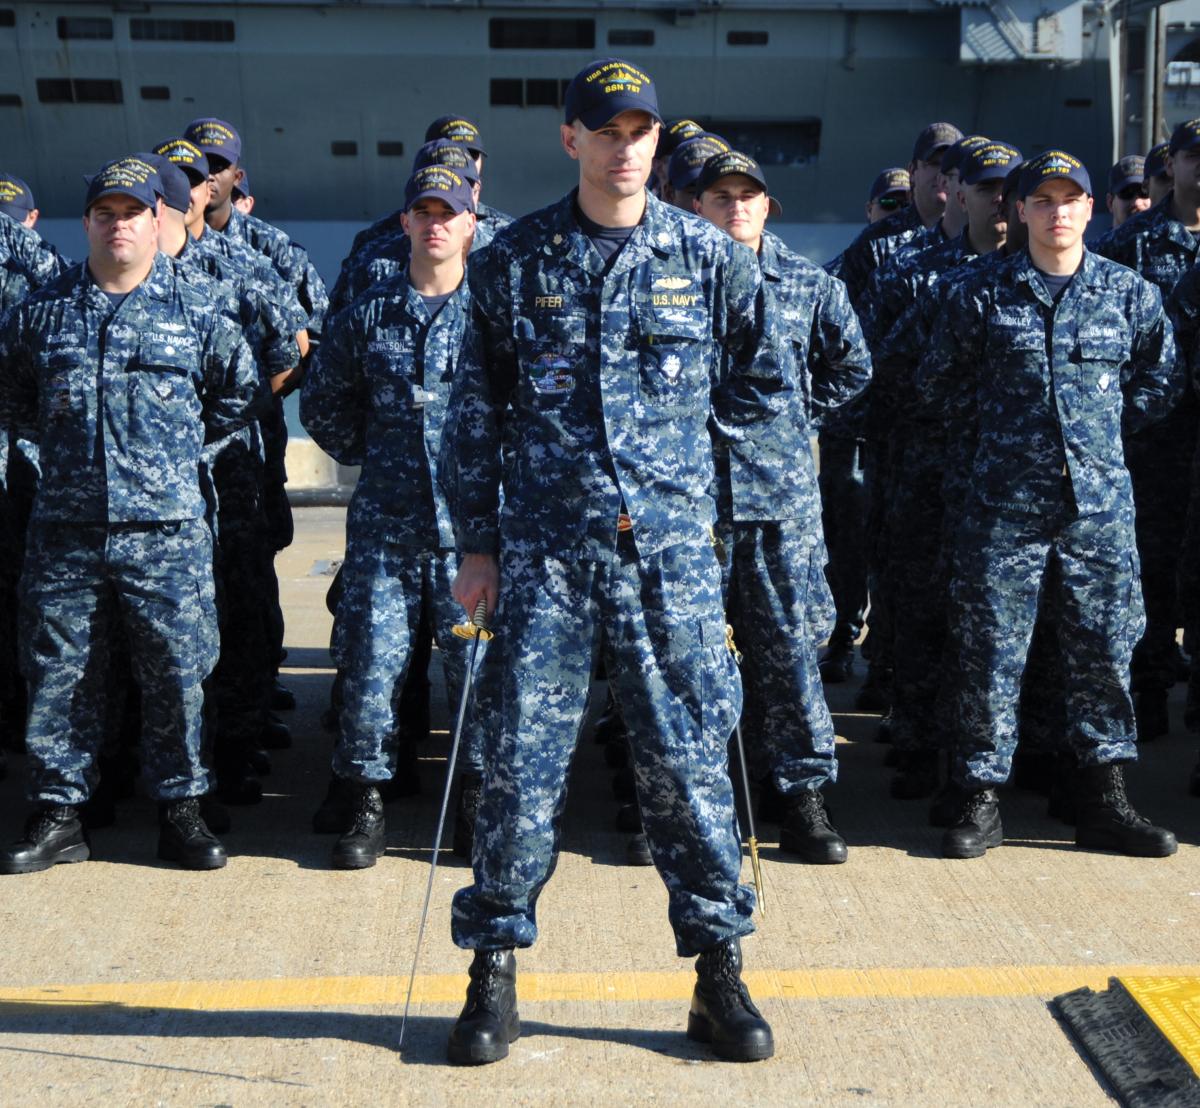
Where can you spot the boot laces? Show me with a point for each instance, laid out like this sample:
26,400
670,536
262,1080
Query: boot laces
43,823
488,982
722,969
185,815
976,807
810,806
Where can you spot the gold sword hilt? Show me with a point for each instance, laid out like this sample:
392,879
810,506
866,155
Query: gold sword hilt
730,645
477,628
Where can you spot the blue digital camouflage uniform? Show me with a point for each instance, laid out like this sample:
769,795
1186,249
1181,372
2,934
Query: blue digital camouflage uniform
844,495
1048,390
27,263
382,250
120,407
914,567
241,682
778,601
1162,250
376,396
602,381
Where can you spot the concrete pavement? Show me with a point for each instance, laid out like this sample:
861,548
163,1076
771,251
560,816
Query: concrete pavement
899,978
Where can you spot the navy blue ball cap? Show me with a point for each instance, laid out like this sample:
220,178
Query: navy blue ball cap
449,153
990,162
16,197
734,163
1053,165
215,136
675,132
440,182
242,187
1130,170
933,139
893,180
1185,137
607,87
456,129
686,164
1156,160
135,176
953,155
187,155
176,189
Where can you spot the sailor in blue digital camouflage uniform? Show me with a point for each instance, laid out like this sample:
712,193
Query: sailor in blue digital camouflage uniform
1049,360
918,461
1127,191
1162,244
685,165
240,688
222,145
120,371
778,600
26,264
846,463
607,329
376,396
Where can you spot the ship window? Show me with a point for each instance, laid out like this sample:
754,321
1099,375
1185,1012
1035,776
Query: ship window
84,27
64,90
542,93
343,148
542,34
389,149
8,17
156,92
747,38
9,100
632,36
788,142
181,30
507,92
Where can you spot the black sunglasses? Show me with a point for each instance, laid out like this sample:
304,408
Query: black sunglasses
891,203
1133,192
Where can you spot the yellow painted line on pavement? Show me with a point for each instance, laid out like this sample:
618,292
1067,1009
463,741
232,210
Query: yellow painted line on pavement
888,983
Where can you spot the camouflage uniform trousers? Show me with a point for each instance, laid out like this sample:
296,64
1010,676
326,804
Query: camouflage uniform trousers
781,610
241,682
376,630
844,520
917,584
17,490
678,688
84,587
1160,464
1003,561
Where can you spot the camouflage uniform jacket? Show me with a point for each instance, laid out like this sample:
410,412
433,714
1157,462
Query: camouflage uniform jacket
829,366
1047,388
27,261
122,403
1153,243
603,384
873,246
376,396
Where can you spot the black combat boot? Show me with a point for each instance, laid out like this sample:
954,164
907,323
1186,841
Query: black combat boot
1105,820
837,666
470,793
282,698
365,841
336,812
53,833
637,851
1150,708
977,827
184,837
722,1013
489,1020
807,831
918,778
275,734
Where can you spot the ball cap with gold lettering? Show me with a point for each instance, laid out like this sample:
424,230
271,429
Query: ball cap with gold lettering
990,162
456,129
1186,136
16,197
135,176
1053,165
606,88
891,182
215,136
440,182
187,155
735,163
447,152
690,156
